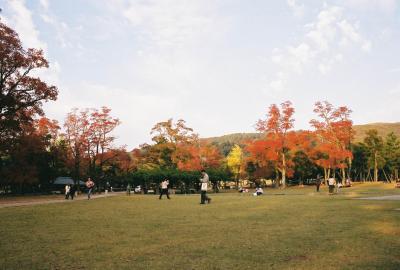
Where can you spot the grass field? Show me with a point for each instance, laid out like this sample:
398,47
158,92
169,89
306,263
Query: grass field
290,229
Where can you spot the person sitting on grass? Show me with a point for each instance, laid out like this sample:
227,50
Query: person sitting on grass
259,191
397,185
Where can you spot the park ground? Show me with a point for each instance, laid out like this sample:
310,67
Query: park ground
295,228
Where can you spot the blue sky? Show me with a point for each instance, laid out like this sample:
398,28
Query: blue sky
218,64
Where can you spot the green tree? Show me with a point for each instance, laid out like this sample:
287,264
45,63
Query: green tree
360,161
304,168
374,144
391,153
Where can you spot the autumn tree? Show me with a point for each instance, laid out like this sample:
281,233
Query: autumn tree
29,162
334,133
88,135
174,143
276,128
21,93
99,138
234,161
76,127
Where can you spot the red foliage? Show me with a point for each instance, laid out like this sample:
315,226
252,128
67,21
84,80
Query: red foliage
333,134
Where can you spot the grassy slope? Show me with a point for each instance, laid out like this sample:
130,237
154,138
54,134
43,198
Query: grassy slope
301,230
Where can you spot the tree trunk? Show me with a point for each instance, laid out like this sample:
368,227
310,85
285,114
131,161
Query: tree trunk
387,179
326,175
376,166
343,175
283,170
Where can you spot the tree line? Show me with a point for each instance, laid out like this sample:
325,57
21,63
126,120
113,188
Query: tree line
34,150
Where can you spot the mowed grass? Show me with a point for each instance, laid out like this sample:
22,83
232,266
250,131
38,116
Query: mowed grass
285,229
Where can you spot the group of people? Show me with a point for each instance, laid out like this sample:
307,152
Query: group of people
70,190
204,182
332,184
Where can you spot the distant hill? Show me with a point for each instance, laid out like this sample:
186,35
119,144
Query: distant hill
383,130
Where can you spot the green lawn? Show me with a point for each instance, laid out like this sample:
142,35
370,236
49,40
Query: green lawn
285,229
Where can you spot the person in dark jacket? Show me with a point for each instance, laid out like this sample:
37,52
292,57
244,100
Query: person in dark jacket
72,191
318,182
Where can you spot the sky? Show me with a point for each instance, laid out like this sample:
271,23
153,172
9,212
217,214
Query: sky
217,64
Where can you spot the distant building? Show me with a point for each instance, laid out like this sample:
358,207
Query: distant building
66,181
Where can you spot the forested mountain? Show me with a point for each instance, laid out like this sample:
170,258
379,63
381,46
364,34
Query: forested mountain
382,128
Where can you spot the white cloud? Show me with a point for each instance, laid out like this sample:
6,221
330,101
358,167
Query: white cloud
386,6
23,24
322,46
170,23
297,9
44,4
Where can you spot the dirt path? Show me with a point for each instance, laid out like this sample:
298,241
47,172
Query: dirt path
35,201
382,198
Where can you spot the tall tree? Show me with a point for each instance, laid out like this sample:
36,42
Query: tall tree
234,162
101,125
334,133
76,127
277,128
88,134
174,143
374,144
391,152
21,95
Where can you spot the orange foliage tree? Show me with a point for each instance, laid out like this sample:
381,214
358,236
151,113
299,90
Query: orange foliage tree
88,135
334,133
277,143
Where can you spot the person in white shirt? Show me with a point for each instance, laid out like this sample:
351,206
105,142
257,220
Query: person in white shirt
331,184
164,189
204,186
67,188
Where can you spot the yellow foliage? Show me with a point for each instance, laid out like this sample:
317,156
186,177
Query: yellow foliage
234,159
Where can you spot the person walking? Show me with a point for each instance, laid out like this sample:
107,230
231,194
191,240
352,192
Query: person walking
89,185
128,189
72,191
204,186
318,182
164,189
67,189
331,184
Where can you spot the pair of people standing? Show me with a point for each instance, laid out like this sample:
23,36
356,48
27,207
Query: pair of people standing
70,191
204,181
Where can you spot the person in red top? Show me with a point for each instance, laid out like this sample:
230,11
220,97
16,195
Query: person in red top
89,184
